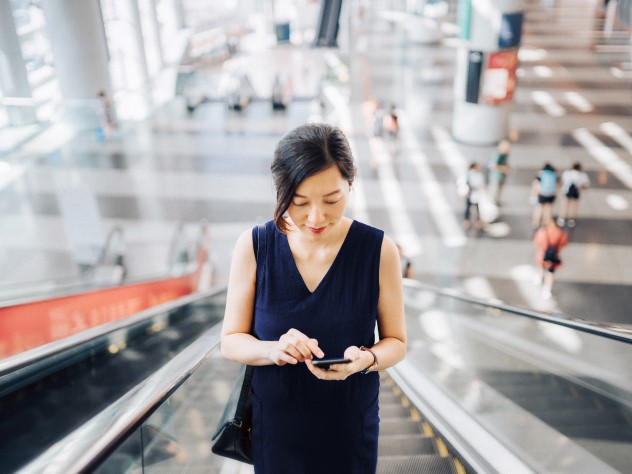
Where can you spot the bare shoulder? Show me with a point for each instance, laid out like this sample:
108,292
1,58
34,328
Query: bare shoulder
243,259
389,249
389,257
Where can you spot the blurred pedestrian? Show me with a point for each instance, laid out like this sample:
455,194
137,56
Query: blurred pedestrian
574,181
474,189
549,241
378,119
406,264
391,123
544,190
498,170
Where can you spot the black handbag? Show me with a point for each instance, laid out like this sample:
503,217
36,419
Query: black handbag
232,437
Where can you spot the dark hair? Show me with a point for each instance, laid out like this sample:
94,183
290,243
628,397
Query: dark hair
548,166
304,152
577,166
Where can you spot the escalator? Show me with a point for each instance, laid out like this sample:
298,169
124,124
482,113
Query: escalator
484,388
44,401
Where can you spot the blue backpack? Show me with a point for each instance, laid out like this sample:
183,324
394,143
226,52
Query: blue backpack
548,183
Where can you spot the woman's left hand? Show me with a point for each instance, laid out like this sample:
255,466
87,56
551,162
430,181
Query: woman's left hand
360,360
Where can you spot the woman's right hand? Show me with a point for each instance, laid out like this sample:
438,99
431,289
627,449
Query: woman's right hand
294,347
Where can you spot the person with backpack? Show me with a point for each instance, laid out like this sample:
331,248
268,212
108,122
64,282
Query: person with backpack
573,182
549,241
544,188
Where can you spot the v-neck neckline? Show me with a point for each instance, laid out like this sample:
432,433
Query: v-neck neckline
329,270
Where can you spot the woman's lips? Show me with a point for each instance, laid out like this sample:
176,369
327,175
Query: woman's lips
316,230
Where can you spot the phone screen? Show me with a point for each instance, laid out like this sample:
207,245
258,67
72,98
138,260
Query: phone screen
325,363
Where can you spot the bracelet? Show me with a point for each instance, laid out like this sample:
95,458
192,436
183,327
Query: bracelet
373,365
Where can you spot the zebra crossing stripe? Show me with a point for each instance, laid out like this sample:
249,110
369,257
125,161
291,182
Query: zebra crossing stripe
604,155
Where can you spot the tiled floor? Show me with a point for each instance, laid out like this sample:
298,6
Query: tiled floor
214,164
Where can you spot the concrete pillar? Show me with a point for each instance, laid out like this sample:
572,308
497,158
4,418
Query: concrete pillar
486,69
151,35
77,38
14,81
178,10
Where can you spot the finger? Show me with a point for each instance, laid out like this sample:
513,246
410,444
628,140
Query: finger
292,351
312,344
302,347
318,372
287,359
353,353
297,340
296,333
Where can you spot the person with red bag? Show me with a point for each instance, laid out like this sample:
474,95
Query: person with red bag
549,241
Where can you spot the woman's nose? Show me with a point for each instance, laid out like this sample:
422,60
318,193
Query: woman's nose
315,214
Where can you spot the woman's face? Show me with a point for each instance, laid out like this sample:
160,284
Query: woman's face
319,202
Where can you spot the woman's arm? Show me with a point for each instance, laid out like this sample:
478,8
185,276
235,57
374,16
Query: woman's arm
391,322
237,342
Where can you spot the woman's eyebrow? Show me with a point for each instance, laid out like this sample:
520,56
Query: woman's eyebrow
324,195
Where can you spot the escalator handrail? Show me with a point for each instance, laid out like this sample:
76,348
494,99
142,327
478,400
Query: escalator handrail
610,331
24,359
90,444
74,287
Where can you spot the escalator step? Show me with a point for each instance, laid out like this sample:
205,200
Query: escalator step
399,427
387,397
406,445
419,464
394,411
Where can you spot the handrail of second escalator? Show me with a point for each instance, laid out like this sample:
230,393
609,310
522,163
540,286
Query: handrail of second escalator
89,445
610,331
45,352
30,291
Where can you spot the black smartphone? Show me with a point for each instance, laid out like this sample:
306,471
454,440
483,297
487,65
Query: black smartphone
325,363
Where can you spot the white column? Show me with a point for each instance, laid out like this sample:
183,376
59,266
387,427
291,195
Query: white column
14,81
77,36
178,10
486,65
151,35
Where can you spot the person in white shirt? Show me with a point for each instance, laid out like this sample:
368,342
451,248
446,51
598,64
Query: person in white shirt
574,181
475,180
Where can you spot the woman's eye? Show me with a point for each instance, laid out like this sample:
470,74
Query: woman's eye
299,204
332,202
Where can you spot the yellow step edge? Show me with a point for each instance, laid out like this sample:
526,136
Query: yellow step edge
443,449
458,466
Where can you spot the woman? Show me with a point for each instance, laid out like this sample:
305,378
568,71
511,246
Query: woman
549,241
543,192
574,181
324,283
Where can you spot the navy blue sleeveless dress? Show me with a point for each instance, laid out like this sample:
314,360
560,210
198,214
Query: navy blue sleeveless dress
301,424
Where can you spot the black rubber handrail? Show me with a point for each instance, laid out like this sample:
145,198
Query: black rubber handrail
610,331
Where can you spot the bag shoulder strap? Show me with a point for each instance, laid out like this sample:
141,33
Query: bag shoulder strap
240,411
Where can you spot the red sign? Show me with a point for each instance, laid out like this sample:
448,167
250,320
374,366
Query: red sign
30,325
499,79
